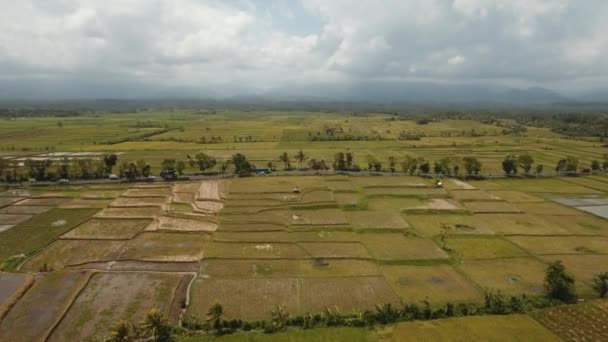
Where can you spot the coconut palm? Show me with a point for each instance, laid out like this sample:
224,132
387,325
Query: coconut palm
284,158
279,318
301,157
155,325
121,332
215,315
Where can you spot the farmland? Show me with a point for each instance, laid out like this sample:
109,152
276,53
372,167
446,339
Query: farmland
97,253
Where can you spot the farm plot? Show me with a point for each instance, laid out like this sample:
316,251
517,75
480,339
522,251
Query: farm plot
588,182
473,195
317,196
325,236
347,198
549,185
516,196
258,237
266,185
562,244
6,201
490,207
45,202
64,253
430,225
524,224
138,212
42,306
399,247
321,268
110,229
100,194
276,217
513,328
41,230
238,250
346,294
581,224
212,190
319,217
592,200
583,267
437,205
182,197
404,191
335,249
483,248
509,275
110,297
548,208
208,206
599,210
13,219
78,203
153,192
190,187
10,284
368,219
165,247
456,184
138,201
178,224
244,298
438,283
583,322
403,181
393,204
250,268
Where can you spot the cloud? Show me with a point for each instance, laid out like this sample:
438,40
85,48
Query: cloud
257,45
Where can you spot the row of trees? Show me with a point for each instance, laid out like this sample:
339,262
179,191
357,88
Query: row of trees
513,163
47,169
345,161
559,288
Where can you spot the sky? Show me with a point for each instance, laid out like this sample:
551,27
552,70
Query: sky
144,47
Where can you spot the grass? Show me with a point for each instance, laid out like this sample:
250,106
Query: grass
36,233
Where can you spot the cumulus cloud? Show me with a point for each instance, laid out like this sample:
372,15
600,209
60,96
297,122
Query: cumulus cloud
256,45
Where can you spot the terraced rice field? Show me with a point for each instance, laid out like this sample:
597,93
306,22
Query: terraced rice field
305,242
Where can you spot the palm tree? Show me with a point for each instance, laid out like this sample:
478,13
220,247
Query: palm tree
215,314
284,158
301,157
155,324
121,332
279,318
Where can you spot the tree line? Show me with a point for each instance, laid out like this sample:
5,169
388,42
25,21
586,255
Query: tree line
559,288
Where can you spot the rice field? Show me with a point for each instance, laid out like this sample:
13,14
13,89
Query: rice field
306,242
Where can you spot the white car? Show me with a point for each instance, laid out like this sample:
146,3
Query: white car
63,181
